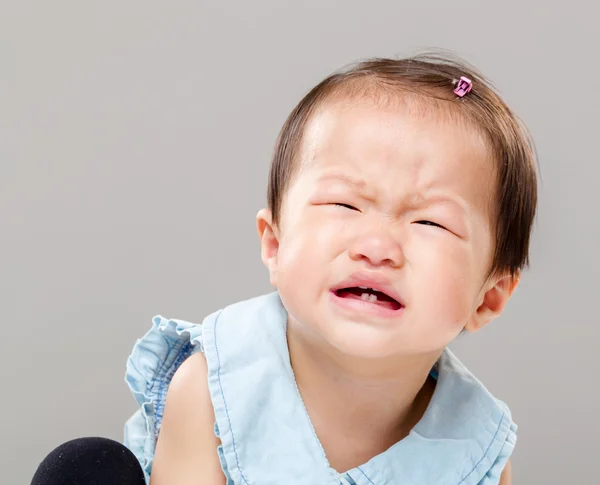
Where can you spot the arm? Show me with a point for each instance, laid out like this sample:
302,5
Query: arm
186,451
506,477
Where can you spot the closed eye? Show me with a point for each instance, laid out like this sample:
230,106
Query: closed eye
347,206
429,223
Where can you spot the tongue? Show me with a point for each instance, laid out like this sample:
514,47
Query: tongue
382,299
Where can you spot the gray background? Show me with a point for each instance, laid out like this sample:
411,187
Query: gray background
135,138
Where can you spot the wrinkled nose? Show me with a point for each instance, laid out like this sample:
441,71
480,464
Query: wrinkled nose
377,249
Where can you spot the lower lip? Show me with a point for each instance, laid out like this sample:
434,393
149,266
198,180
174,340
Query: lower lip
358,306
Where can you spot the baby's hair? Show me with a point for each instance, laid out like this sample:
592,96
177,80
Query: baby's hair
429,80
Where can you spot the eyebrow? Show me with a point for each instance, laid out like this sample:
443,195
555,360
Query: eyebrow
347,179
441,199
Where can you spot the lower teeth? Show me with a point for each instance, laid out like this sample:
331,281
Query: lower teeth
369,297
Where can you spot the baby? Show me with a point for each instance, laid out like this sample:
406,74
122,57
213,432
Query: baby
400,204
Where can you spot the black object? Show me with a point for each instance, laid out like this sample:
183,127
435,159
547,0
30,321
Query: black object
90,461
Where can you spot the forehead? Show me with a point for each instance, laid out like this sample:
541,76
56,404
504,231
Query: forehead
404,149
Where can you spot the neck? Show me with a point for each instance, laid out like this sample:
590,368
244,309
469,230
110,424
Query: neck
372,401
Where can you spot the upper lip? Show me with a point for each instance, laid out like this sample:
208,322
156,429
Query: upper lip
374,281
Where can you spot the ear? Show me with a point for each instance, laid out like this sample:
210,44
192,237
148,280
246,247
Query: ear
269,243
493,302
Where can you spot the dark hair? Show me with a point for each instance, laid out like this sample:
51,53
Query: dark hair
431,78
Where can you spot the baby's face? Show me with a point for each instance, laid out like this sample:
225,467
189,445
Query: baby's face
395,200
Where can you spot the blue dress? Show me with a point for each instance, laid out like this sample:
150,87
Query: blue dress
465,437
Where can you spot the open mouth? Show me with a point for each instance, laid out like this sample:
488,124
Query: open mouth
369,295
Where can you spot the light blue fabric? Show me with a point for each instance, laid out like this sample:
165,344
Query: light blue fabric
465,437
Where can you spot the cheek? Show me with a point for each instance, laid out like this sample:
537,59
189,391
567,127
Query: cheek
311,237
300,253
446,274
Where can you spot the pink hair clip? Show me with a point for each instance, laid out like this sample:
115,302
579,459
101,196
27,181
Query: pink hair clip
463,86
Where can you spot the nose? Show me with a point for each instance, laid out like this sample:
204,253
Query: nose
377,249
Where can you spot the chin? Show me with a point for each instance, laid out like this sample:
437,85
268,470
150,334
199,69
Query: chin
361,340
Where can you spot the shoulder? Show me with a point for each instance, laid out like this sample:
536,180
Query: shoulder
506,477
192,372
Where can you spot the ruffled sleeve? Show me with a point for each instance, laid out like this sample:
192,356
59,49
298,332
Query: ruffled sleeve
493,475
150,368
